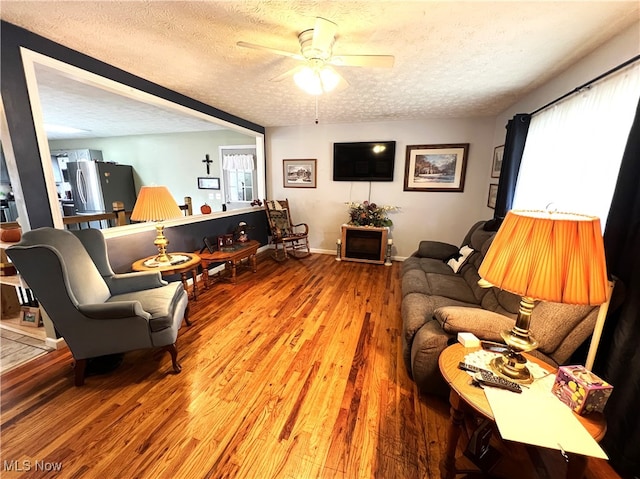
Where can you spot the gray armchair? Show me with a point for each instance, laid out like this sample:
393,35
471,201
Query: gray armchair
96,311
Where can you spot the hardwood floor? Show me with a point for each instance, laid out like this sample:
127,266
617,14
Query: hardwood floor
294,372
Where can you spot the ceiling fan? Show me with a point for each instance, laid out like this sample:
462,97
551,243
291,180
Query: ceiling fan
317,76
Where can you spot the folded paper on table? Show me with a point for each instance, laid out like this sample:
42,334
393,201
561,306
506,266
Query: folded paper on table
537,417
176,259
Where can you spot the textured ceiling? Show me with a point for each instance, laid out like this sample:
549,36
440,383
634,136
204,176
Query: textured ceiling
452,59
101,113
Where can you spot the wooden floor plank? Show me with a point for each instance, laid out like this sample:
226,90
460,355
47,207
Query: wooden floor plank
294,372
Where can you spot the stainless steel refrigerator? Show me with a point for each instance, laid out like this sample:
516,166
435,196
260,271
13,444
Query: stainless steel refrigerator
96,185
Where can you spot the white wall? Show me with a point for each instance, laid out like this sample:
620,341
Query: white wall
173,160
616,51
423,215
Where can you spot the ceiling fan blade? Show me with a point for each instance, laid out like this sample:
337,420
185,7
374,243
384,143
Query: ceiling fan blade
283,53
379,61
324,34
342,83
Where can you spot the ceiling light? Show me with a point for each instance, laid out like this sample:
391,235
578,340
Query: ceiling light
316,80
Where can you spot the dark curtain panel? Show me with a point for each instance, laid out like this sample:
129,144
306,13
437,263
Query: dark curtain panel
618,359
517,129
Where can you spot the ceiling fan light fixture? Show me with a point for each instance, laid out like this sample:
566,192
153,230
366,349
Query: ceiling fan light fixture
329,79
317,80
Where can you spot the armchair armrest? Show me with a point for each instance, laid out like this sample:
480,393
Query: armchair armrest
306,228
482,323
115,310
127,282
436,250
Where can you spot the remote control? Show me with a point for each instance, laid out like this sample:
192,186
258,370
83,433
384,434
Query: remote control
490,379
468,367
494,347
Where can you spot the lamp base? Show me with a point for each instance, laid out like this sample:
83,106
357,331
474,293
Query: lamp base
164,258
512,366
161,243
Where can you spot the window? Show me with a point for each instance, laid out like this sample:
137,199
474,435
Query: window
574,148
239,185
239,173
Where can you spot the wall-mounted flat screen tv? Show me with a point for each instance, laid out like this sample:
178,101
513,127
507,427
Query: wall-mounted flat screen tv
364,161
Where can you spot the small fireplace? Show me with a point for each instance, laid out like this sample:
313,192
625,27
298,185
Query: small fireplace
364,244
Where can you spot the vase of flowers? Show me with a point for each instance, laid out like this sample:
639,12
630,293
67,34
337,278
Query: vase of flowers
369,214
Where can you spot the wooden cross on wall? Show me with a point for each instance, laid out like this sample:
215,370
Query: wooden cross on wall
208,161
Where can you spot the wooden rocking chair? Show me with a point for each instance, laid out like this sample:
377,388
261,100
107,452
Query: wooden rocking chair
289,239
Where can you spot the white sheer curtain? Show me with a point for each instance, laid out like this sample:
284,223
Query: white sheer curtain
238,162
573,150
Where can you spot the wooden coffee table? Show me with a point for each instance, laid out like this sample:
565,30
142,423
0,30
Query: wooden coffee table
231,258
189,266
466,399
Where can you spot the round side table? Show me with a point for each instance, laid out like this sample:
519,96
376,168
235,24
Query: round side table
465,398
182,268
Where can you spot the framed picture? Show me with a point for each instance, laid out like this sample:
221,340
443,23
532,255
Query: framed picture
493,194
498,152
208,183
299,173
435,167
30,316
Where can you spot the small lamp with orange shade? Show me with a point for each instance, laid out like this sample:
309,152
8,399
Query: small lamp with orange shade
545,256
155,203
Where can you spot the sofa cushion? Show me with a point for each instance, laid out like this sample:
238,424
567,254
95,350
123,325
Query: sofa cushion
551,323
414,281
159,302
484,324
425,350
478,239
435,249
500,301
428,265
471,277
450,286
418,308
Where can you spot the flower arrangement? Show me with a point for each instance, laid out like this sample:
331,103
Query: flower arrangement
369,214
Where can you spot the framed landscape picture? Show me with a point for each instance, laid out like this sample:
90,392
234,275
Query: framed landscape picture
299,173
496,166
493,195
435,167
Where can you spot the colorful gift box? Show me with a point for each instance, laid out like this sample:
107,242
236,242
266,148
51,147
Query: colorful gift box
581,390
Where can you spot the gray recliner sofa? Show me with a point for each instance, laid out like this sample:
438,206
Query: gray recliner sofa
437,303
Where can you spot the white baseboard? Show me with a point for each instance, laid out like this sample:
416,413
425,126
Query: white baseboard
323,251
58,343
